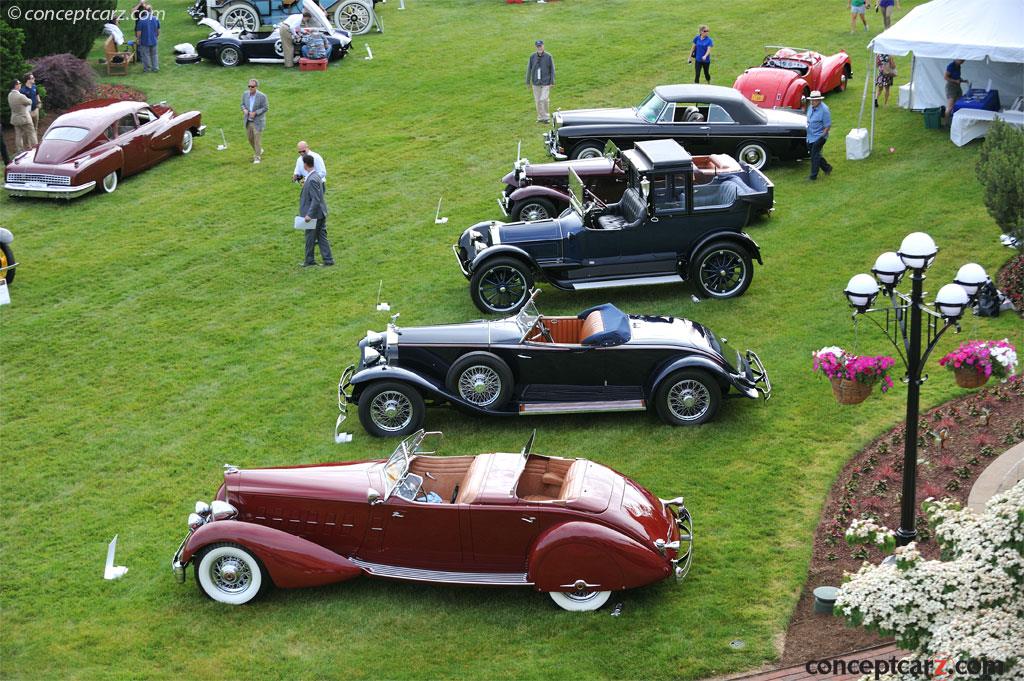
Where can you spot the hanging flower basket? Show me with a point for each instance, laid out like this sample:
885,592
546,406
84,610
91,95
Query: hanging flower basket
850,392
975,361
969,377
853,377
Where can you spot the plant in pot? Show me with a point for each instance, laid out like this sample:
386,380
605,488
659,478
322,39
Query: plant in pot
853,376
974,362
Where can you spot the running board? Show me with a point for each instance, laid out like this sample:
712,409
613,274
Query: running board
528,408
616,283
442,576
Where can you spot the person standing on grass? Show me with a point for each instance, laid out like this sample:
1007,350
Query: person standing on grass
21,118
886,7
313,206
254,110
819,122
290,30
858,8
954,81
300,169
700,53
147,34
29,89
540,73
886,68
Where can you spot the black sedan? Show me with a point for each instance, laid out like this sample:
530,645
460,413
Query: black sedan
601,360
231,47
706,119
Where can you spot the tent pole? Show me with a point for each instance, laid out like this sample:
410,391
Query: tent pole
913,63
871,137
867,82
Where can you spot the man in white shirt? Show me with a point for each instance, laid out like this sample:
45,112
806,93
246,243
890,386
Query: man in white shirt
289,31
318,164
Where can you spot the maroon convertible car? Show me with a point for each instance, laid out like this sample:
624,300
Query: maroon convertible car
570,527
96,144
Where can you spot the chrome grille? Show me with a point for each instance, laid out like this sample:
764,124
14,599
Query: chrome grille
64,180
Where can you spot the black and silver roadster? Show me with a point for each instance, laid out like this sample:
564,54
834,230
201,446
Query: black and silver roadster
601,360
664,229
707,119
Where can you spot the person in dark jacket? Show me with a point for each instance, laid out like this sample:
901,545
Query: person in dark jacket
313,206
540,73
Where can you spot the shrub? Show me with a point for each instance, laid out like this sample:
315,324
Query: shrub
52,36
68,80
1011,282
1001,172
12,64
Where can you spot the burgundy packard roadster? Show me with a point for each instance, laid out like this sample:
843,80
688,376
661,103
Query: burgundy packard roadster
96,144
570,527
786,78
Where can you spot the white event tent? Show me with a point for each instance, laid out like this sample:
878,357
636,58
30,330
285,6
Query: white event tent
987,34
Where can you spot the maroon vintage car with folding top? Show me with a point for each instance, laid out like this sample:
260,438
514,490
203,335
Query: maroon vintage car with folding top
96,144
570,527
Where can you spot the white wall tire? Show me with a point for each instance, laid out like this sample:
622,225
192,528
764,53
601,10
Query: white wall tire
354,16
229,573
186,142
109,183
580,601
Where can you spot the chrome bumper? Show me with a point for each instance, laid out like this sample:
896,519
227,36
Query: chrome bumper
759,375
49,191
503,204
345,382
682,560
462,268
551,142
201,131
176,565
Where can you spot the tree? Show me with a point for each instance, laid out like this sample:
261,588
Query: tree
1001,172
967,606
12,64
61,26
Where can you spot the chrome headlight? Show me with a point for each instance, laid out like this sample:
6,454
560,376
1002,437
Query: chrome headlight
370,356
195,521
202,508
222,510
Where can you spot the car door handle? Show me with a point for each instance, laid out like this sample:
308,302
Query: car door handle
396,514
705,127
524,357
528,518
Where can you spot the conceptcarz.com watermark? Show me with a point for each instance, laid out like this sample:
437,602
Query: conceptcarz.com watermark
940,668
73,15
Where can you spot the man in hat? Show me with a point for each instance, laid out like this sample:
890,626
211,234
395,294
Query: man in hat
540,73
819,122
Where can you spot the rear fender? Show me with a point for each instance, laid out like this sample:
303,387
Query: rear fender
502,249
5,236
606,560
832,70
737,238
691,362
795,93
291,561
541,191
106,162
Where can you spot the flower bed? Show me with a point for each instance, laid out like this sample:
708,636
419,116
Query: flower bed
1010,281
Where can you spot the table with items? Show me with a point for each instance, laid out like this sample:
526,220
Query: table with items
976,98
970,124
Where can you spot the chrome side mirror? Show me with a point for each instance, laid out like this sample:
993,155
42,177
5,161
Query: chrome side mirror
373,497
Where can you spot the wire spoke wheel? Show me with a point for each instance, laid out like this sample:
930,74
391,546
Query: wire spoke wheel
503,288
722,272
689,400
391,411
534,211
480,385
231,574
354,17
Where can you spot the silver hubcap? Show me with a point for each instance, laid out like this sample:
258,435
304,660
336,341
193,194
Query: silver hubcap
688,400
533,211
354,18
581,596
110,182
231,574
186,142
240,18
229,56
391,411
590,153
753,155
480,385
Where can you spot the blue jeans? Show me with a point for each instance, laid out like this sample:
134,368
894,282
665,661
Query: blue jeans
817,160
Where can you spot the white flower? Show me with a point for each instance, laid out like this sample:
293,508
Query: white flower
830,350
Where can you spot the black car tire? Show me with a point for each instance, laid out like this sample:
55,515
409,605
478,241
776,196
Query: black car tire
722,270
7,259
688,397
229,56
481,379
501,286
249,578
588,150
406,401
533,209
188,58
753,153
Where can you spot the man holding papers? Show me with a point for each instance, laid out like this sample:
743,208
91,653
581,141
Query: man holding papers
313,207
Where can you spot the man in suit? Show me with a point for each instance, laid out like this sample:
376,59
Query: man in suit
254,111
540,73
21,118
313,206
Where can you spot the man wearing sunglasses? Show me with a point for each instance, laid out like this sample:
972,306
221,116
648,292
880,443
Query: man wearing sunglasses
254,110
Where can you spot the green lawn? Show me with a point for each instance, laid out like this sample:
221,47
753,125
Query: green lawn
162,331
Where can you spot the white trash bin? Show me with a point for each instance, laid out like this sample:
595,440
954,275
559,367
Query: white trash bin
857,146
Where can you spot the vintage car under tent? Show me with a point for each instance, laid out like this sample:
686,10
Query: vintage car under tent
985,33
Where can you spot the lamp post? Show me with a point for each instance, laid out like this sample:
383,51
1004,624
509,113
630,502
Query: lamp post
916,254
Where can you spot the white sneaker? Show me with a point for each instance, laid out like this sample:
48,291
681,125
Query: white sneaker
256,160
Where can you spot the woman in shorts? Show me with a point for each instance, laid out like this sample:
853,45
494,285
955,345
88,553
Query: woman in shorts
858,8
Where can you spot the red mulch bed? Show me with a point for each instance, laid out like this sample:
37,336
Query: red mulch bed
957,442
1010,281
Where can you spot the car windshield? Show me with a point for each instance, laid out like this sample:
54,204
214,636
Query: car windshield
396,468
650,109
66,134
527,317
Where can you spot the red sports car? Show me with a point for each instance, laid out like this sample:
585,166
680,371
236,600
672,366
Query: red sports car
784,79
570,527
96,144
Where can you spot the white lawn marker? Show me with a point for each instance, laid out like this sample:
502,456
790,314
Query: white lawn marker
223,141
111,571
438,220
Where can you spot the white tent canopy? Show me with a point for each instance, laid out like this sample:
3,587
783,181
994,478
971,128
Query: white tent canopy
987,34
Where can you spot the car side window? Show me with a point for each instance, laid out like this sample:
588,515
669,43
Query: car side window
111,132
669,192
125,125
667,116
691,113
145,116
717,114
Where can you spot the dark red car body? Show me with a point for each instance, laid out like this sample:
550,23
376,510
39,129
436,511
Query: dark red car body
516,519
97,143
785,78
